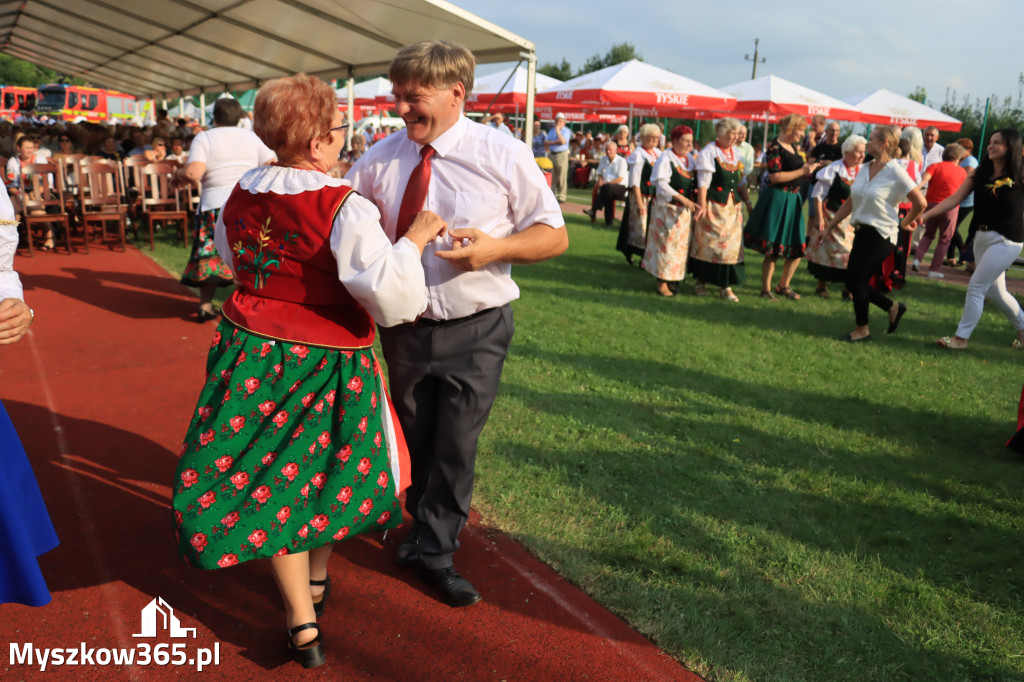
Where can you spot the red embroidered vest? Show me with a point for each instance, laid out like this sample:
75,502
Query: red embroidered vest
289,287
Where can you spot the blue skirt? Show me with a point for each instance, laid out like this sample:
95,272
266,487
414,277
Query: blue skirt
26,531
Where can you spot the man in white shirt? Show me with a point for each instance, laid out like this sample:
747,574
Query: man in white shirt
932,150
444,369
610,184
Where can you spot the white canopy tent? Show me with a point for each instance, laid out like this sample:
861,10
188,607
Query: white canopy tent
175,48
886,107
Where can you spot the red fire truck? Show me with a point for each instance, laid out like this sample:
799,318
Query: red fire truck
16,99
80,103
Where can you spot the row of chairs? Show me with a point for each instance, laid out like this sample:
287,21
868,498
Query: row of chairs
80,193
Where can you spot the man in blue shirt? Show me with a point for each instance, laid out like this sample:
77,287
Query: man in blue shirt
557,144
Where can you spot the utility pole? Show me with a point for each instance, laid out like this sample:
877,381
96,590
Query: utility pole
747,58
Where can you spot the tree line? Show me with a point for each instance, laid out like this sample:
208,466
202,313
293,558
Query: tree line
14,71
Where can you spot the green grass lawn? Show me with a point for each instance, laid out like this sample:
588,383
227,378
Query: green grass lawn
763,502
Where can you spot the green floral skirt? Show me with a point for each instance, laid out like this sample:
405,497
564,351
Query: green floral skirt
287,451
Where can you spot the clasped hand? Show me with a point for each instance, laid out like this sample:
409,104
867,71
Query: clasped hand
15,318
471,249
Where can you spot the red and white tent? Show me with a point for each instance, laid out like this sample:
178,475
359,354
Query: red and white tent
637,87
885,107
366,94
771,97
498,92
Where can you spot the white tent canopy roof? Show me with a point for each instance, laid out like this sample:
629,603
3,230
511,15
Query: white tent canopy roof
488,86
370,89
172,48
887,107
779,96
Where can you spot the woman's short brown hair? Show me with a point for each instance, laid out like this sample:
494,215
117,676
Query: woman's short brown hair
291,112
791,123
967,143
433,63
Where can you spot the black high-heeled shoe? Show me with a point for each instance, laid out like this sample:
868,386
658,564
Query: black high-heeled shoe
310,654
204,315
321,604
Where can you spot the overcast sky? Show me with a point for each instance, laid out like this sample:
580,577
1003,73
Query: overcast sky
840,49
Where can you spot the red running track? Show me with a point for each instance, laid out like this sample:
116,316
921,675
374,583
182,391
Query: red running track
101,391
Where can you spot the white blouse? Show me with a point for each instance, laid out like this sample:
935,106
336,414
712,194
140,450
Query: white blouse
706,163
636,165
387,279
827,175
876,199
10,284
662,174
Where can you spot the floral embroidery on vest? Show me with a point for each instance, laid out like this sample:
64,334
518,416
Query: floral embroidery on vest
260,254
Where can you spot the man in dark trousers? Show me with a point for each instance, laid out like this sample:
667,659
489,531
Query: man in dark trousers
444,369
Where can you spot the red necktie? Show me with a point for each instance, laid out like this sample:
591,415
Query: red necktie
415,192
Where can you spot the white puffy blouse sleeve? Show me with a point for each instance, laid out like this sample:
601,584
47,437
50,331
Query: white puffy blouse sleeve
10,284
706,164
220,240
660,177
825,177
387,279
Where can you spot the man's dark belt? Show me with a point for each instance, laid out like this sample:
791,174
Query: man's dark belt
426,321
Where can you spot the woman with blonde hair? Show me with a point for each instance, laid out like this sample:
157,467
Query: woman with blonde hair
716,244
292,445
633,232
873,209
776,227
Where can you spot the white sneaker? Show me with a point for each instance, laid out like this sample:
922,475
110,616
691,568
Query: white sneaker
916,265
935,274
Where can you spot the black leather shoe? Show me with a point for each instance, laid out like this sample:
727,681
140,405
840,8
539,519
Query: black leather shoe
408,553
454,589
310,654
900,311
320,603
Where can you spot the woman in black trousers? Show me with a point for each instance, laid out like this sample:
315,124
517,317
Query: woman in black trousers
875,196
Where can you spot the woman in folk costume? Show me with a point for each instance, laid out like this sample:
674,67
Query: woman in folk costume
776,227
716,244
633,233
829,252
26,531
668,239
292,445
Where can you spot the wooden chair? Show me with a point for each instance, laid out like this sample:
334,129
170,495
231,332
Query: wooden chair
159,201
42,199
132,182
101,199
